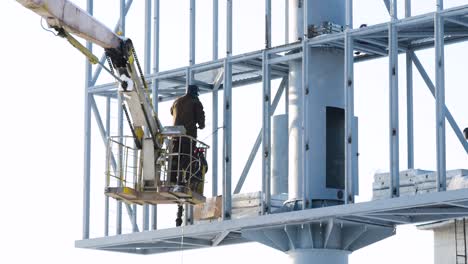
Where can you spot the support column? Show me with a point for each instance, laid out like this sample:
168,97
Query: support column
154,208
318,256
286,21
440,97
316,109
267,24
409,98
305,106
118,225
147,71
87,138
266,140
214,160
192,39
106,199
295,104
227,144
349,105
393,95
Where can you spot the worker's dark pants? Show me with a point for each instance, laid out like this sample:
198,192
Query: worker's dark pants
184,162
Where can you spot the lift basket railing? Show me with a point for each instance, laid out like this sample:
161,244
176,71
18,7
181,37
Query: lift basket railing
182,161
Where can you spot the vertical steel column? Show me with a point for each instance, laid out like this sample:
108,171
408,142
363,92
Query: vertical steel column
295,111
147,70
155,86
267,24
266,134
266,131
286,21
305,107
123,14
409,98
87,137
227,144
188,216
440,97
286,100
154,92
192,39
118,224
134,217
393,93
349,104
214,159
186,220
106,199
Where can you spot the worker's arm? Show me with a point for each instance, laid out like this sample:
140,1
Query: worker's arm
199,114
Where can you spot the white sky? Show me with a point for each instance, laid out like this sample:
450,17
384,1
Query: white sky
42,117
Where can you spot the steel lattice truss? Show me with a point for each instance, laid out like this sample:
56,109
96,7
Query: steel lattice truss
360,224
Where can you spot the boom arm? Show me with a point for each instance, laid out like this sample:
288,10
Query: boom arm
158,180
65,17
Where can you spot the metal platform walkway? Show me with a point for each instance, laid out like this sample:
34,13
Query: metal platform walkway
385,213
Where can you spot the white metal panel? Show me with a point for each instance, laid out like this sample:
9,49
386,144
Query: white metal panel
148,161
279,161
444,245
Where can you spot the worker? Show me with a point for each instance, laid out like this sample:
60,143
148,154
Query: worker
186,111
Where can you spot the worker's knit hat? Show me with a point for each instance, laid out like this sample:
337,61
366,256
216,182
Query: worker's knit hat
192,89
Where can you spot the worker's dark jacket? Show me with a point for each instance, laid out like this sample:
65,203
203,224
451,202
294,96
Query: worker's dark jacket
188,111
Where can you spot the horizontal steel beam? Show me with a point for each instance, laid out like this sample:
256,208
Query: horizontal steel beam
426,211
276,220
402,220
374,35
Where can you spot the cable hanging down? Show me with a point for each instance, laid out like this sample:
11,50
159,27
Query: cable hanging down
75,43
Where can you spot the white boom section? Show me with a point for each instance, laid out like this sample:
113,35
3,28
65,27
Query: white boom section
139,104
64,14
